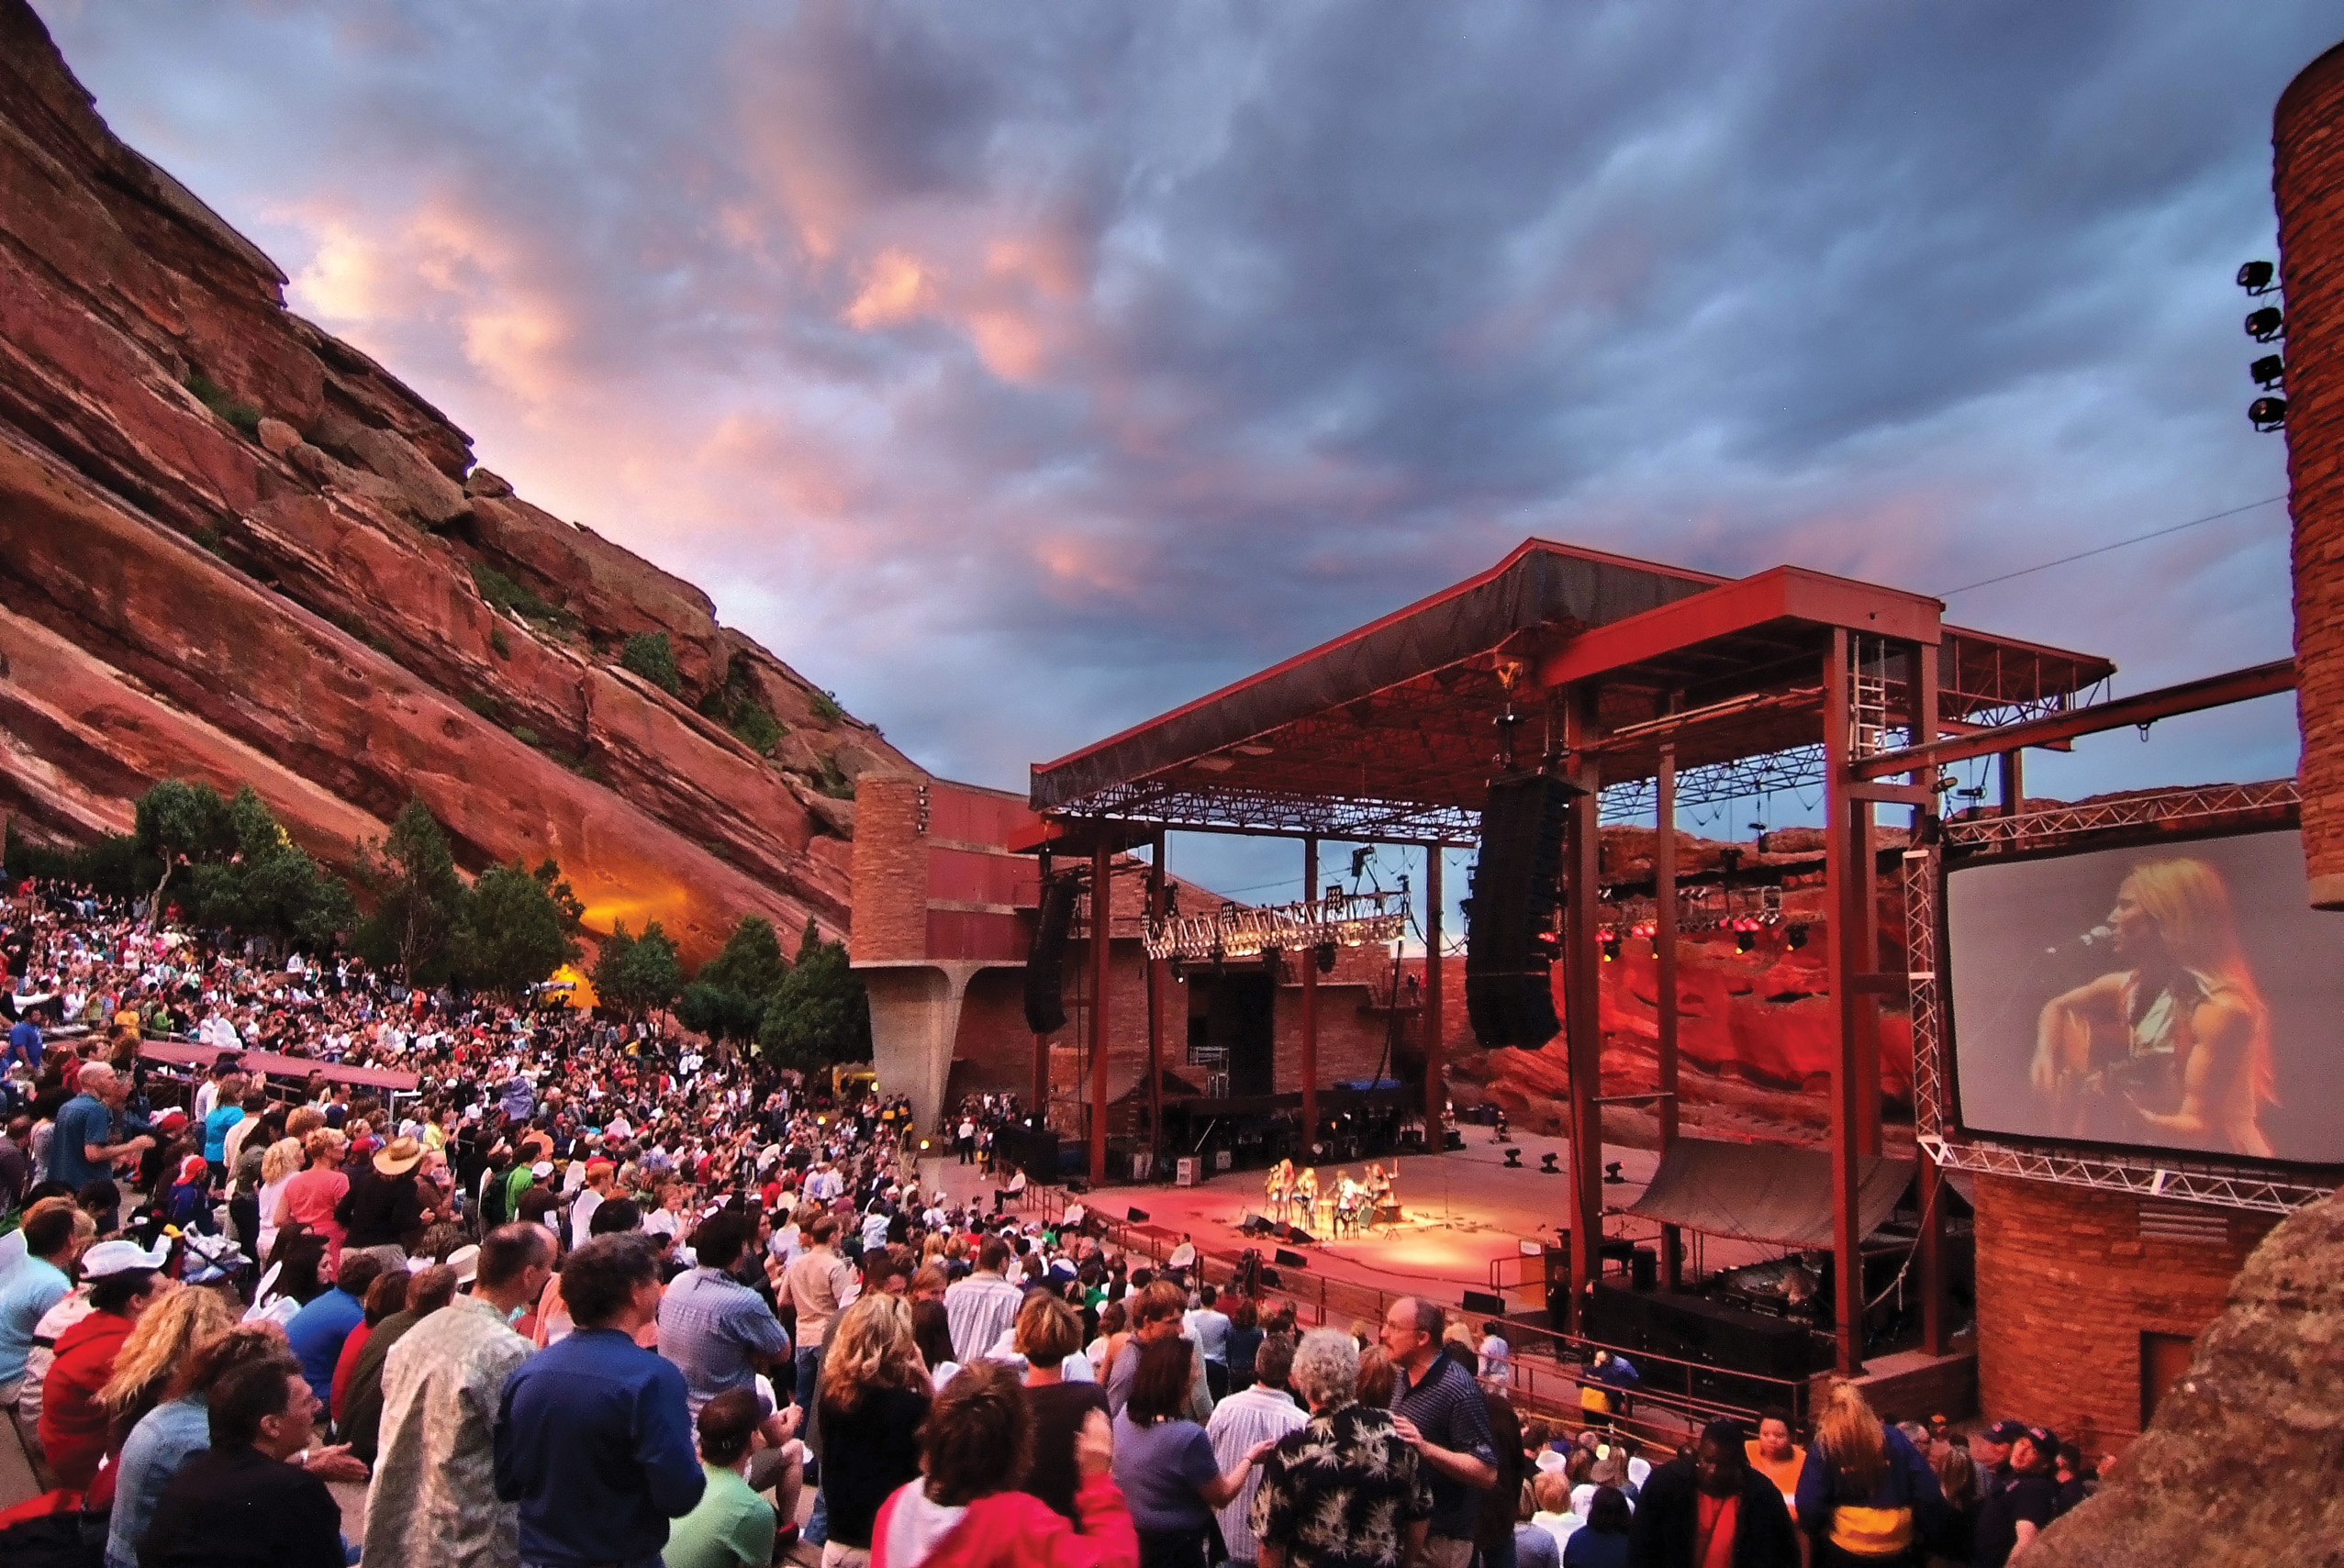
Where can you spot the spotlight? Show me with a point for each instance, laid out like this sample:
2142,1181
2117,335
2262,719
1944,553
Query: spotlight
2268,413
1547,1167
923,1146
1611,946
1795,935
1744,934
1514,1158
1612,1177
2266,324
2267,371
2255,277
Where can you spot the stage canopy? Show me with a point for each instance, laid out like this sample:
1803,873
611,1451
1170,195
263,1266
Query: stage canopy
1764,1192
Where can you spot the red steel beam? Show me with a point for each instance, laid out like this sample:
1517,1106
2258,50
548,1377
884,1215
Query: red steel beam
1102,904
1309,959
1435,1088
1786,593
1664,942
1846,1113
2168,702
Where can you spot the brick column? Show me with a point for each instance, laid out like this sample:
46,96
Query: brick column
2308,183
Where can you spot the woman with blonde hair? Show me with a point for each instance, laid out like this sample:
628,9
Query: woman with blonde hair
165,1336
279,1162
1866,1495
310,1197
867,1409
2176,1047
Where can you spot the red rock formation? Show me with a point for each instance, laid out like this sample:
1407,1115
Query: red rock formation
235,547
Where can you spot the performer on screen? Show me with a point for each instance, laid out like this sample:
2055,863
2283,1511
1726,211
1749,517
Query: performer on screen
2175,1049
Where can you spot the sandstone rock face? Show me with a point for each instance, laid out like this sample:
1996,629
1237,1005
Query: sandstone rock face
235,547
2244,1464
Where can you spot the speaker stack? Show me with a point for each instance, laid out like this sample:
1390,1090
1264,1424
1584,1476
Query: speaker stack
1044,1012
1510,918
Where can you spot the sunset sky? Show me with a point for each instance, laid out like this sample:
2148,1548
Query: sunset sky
1022,371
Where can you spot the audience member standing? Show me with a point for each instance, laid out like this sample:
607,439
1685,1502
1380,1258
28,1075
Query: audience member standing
1438,1407
1165,1464
1866,1495
1710,1510
427,1293
1262,1411
383,1211
2024,1501
1049,1336
1346,1489
82,1149
435,1474
718,1332
983,1306
820,1284
593,1440
873,1396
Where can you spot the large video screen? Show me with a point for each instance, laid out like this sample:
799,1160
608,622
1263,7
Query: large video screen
2179,996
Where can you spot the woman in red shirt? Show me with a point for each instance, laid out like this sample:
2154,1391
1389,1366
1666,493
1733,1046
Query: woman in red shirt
311,1196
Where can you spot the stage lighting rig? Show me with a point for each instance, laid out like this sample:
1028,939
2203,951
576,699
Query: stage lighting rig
2267,371
1611,946
2258,277
2268,413
1547,1167
2266,324
1233,931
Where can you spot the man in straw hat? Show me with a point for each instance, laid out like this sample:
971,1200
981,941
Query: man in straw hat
383,1211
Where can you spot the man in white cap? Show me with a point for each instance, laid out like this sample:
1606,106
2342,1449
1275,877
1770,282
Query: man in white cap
435,1468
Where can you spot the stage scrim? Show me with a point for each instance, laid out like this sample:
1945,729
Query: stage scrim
2177,995
1764,1192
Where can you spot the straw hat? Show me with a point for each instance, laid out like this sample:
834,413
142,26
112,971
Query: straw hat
399,1157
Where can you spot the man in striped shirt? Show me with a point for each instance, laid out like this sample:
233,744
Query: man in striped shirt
1264,1411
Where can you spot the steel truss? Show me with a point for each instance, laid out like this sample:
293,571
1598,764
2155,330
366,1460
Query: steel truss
1205,808
2229,1186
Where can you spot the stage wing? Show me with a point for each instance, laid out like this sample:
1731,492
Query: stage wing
1764,1192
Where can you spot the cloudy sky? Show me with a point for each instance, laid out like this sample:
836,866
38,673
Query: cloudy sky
1022,371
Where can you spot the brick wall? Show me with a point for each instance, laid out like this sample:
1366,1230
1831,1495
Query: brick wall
2307,181
2068,1283
891,872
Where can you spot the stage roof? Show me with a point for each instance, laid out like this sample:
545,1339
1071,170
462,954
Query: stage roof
1389,732
1764,1192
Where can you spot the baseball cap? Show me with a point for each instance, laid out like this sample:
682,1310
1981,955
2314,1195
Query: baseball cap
108,1258
2046,1442
542,1170
2005,1431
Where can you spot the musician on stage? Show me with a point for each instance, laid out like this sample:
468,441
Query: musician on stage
1279,1189
1306,1196
1347,1197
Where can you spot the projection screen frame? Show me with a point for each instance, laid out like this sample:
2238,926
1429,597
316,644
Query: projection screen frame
2160,1173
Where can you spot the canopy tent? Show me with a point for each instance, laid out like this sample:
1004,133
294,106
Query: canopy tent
202,1056
1764,1192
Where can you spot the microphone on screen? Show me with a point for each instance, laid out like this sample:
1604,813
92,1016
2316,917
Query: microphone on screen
2098,935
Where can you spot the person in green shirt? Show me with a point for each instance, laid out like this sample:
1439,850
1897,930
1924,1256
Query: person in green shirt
732,1526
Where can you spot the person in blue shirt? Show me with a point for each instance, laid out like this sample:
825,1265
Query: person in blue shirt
594,1437
81,1150
24,1042
223,1116
319,1329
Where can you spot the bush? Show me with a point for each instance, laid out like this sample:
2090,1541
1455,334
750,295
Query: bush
652,656
502,593
500,642
737,707
212,396
826,707
483,704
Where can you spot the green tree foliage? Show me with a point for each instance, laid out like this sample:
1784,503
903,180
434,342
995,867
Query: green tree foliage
637,973
111,865
652,656
818,1015
179,824
411,872
727,999
258,880
513,928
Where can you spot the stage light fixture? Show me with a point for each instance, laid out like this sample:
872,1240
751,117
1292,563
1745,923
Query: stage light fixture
1514,1158
1547,1167
1745,935
2255,277
1612,1176
2266,324
1795,935
2267,371
1611,946
2268,413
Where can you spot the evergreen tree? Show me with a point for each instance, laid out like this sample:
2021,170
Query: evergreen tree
637,973
179,824
727,999
514,926
411,872
259,882
820,1015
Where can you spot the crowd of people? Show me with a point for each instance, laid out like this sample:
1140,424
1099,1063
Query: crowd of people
595,1292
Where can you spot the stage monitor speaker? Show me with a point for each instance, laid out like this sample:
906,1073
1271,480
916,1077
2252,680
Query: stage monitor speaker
1045,1012
1644,1269
1485,1305
1286,1260
1137,1215
1509,998
1296,1234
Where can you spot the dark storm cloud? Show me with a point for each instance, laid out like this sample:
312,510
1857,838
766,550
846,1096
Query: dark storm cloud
1025,370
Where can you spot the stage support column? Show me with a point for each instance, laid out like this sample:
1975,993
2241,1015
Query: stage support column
1435,1089
2011,776
1103,905
1308,960
1160,1007
1582,1012
1042,1076
1936,1315
1846,918
1664,939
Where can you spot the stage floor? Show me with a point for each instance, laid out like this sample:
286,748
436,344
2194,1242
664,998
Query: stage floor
1464,1210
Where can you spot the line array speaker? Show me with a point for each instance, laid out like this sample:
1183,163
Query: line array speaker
1510,918
1044,1012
